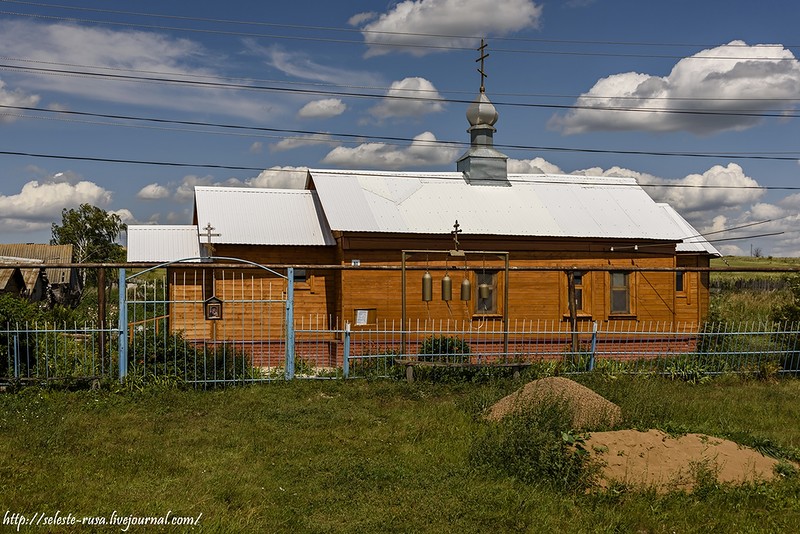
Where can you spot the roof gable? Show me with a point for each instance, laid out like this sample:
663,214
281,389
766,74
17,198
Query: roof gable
162,243
243,215
533,205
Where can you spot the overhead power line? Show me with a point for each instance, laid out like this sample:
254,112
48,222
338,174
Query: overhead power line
783,114
329,136
384,90
555,180
352,30
389,44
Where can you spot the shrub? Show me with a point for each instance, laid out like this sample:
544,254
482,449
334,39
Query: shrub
537,447
444,348
159,354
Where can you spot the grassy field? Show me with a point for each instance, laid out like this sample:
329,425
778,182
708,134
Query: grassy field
361,456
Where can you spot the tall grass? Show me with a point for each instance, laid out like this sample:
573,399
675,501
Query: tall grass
335,456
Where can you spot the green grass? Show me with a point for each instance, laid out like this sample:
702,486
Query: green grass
363,456
752,262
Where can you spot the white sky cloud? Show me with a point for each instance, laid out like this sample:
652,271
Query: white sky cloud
402,101
153,192
532,166
738,79
16,97
322,109
123,49
281,178
361,18
300,141
125,215
692,195
39,203
423,151
303,66
712,209
446,17
185,190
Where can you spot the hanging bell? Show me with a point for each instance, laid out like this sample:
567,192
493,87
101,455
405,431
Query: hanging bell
484,290
447,287
427,287
466,289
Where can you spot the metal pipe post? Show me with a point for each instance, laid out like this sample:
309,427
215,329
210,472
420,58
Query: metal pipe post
123,327
289,373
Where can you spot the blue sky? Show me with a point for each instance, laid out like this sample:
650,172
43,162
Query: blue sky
283,85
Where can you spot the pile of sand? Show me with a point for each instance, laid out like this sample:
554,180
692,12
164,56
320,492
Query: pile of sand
589,410
649,459
653,459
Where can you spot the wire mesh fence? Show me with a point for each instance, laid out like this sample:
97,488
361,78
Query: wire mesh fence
327,348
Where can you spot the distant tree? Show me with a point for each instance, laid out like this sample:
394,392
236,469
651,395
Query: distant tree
93,233
757,252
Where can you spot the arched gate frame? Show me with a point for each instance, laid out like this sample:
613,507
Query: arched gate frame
213,306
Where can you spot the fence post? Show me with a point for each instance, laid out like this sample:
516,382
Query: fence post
346,362
123,327
16,356
289,374
594,346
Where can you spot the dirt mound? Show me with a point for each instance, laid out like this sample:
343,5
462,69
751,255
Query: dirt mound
653,459
650,459
589,409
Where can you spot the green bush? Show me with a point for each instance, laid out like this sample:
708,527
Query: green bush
538,447
170,354
444,348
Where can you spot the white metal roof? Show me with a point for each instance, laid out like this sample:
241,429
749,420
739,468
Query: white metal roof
693,241
533,205
242,215
162,243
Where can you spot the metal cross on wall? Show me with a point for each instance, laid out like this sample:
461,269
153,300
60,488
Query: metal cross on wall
484,55
209,246
455,233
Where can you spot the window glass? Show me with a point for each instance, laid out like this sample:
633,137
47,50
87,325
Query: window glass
679,282
578,277
620,293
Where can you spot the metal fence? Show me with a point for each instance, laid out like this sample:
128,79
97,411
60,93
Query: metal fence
324,348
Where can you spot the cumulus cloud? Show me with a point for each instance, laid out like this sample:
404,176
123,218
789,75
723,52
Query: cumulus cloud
718,188
185,190
153,192
322,109
39,203
401,29
423,151
300,141
532,166
361,18
724,204
17,97
409,97
280,178
257,147
68,43
738,78
125,215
